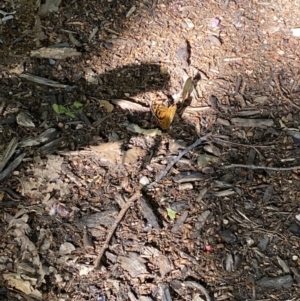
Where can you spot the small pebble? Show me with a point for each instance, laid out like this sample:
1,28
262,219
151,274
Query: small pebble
214,22
79,126
295,257
144,181
250,242
52,62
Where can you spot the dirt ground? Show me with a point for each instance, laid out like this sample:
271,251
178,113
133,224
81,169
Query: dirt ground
99,201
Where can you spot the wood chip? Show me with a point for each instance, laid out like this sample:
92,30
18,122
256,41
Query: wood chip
54,53
244,122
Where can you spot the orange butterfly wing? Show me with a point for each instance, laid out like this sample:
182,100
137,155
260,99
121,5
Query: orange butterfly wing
163,114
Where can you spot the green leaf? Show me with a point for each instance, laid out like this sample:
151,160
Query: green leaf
171,213
59,109
70,114
77,105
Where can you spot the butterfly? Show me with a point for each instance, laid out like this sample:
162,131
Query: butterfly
163,114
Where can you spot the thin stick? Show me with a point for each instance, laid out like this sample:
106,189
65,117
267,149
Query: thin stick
261,167
114,227
244,145
176,159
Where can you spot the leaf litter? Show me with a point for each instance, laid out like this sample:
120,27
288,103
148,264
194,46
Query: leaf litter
71,186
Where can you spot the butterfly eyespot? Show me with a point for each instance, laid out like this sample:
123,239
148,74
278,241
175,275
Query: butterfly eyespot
164,115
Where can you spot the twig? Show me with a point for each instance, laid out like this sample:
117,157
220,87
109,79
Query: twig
218,140
261,167
176,159
114,226
277,82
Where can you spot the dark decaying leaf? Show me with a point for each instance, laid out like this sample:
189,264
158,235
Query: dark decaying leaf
200,223
295,229
228,236
268,194
263,243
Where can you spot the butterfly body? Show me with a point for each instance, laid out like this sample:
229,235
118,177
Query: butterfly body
163,114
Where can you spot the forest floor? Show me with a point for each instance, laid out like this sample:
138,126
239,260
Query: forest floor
100,196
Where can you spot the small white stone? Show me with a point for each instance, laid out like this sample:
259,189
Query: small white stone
295,257
225,221
144,180
66,248
296,32
250,242
298,217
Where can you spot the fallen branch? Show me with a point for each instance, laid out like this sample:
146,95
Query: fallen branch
114,227
261,167
176,159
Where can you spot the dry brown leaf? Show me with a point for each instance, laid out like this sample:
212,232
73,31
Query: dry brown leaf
106,105
133,155
110,151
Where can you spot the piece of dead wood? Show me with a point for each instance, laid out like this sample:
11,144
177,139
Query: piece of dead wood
188,176
261,167
248,122
14,164
164,292
52,146
196,109
176,159
222,142
8,153
149,214
130,105
179,222
54,53
45,137
43,81
114,227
